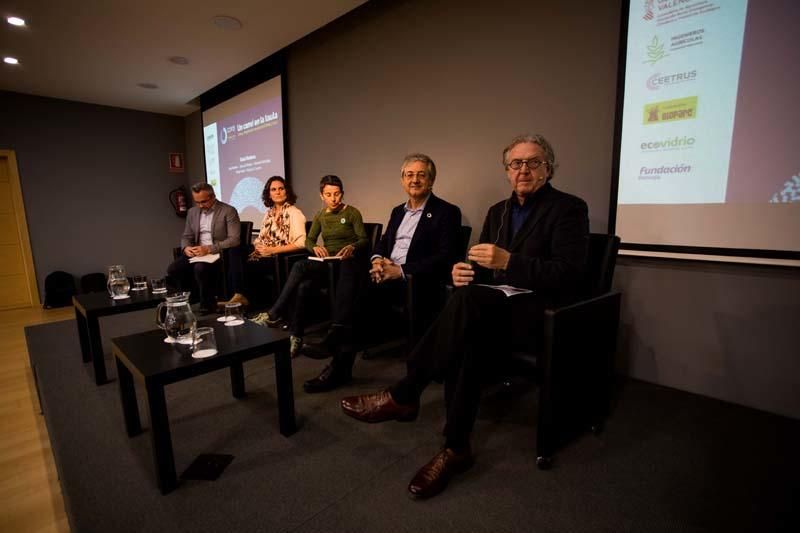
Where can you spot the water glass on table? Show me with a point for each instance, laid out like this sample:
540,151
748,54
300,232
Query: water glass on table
205,343
233,314
158,285
139,283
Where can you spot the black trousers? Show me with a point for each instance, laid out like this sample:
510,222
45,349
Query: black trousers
307,276
205,275
470,340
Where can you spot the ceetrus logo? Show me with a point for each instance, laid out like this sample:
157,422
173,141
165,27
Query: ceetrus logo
655,51
670,110
671,143
659,80
648,9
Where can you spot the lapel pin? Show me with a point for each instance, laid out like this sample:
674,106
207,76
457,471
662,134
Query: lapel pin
342,220
430,216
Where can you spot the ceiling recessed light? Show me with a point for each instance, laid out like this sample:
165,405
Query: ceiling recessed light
179,60
147,85
11,60
15,21
224,22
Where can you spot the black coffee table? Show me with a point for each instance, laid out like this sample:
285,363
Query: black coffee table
90,307
149,359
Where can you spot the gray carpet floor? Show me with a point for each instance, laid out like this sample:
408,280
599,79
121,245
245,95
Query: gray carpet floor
667,460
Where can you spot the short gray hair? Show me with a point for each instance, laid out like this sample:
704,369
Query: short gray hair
412,158
549,155
203,186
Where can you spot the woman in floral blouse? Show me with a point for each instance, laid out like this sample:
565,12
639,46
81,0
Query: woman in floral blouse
282,230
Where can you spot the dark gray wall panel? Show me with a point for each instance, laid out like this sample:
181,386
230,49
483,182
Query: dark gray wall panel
95,182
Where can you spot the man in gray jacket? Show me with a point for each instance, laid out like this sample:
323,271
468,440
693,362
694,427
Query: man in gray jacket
212,227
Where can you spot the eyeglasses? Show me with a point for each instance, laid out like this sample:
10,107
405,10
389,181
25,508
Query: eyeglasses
420,175
204,202
532,164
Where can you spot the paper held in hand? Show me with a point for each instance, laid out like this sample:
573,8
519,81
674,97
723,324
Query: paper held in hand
329,258
208,258
508,290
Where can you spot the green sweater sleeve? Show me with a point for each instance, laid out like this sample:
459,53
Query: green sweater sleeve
313,233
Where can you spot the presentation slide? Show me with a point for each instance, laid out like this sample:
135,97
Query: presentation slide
709,144
243,140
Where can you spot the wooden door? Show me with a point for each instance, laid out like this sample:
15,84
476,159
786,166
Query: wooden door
17,276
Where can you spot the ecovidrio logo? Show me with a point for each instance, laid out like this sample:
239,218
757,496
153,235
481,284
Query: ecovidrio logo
670,143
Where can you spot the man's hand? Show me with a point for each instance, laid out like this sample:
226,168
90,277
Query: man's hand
489,256
347,251
320,251
189,251
384,270
376,272
462,274
202,250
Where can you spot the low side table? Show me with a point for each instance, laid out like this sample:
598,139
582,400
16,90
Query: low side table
90,307
148,359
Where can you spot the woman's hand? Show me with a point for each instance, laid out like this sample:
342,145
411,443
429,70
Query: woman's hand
462,274
347,251
263,250
320,251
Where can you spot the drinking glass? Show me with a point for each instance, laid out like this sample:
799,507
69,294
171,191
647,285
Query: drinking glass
116,272
205,343
158,286
233,314
119,288
139,283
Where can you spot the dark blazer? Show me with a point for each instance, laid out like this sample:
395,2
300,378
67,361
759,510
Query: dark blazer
225,227
435,245
548,253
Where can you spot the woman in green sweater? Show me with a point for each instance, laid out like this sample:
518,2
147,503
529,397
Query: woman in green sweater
343,236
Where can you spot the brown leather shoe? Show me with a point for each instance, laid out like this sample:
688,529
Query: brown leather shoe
237,298
432,478
378,407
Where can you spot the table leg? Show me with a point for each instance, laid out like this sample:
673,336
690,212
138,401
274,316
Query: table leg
283,381
96,349
237,380
83,335
127,393
161,439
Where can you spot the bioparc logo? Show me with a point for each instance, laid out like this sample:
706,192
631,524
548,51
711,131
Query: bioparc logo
648,9
670,110
671,143
659,80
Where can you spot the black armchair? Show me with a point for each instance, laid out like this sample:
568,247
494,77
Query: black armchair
245,241
409,310
574,368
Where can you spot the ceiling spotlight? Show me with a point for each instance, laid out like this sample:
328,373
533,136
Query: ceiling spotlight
224,22
145,85
179,60
11,60
15,21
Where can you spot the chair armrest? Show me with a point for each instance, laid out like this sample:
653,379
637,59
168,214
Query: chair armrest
576,365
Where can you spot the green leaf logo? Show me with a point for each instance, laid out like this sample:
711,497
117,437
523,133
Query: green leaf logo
655,51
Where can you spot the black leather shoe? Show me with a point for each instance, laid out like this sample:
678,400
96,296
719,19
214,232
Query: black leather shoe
378,407
432,478
329,379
